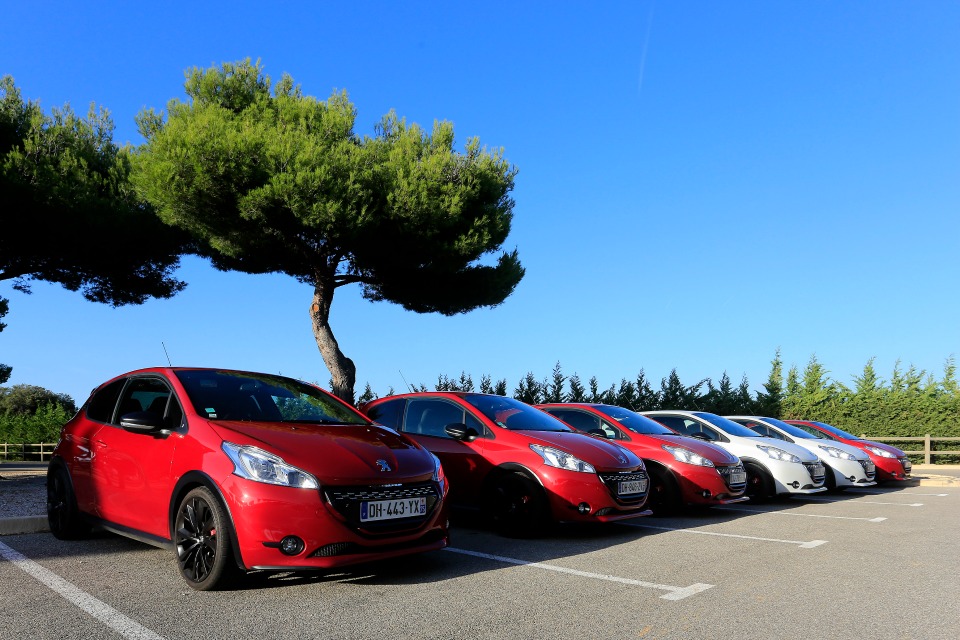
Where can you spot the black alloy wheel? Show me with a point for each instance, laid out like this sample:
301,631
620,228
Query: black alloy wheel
664,496
65,520
202,538
517,504
760,485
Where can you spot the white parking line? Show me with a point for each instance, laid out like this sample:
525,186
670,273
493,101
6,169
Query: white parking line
674,593
858,501
804,515
96,608
803,545
896,493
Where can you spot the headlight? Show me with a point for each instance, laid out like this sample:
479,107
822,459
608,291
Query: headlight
561,459
438,474
258,465
778,454
685,455
880,452
837,453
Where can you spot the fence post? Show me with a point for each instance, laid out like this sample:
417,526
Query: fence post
926,449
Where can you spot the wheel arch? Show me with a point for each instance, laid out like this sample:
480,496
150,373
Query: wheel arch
189,481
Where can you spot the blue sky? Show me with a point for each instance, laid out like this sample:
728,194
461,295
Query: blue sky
699,183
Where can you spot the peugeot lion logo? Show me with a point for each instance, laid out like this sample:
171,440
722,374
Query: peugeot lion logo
383,466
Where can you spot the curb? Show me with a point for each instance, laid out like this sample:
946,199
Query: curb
30,524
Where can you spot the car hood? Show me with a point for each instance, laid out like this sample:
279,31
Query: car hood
815,443
603,455
336,454
804,454
885,447
713,453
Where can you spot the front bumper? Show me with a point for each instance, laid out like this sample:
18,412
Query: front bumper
791,477
705,486
892,469
582,497
263,515
849,473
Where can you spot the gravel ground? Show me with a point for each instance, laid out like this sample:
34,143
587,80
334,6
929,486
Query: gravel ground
23,493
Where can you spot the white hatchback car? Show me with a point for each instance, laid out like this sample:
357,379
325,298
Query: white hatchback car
772,470
847,466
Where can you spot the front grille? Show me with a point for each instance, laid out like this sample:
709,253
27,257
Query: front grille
348,500
868,468
727,472
817,472
612,482
905,461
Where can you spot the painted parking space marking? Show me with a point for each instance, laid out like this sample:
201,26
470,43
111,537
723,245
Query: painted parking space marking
673,593
803,545
857,501
895,493
97,608
802,515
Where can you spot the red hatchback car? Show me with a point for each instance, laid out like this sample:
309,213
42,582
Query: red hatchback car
520,465
891,463
682,470
238,471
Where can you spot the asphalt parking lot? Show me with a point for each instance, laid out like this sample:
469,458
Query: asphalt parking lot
865,563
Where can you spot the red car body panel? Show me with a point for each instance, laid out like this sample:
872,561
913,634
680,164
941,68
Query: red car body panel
692,480
897,468
469,464
130,482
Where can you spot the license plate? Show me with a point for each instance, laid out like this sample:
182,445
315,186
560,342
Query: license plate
391,509
871,468
818,470
633,486
738,477
907,466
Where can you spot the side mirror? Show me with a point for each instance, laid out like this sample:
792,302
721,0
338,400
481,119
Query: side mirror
461,432
701,436
600,433
142,422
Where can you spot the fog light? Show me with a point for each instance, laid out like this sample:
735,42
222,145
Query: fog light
852,478
795,484
583,507
291,546
706,493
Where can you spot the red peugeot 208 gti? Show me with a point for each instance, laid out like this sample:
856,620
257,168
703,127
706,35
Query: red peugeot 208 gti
237,471
522,466
682,470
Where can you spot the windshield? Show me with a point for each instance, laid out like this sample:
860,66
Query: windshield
635,422
513,414
794,431
727,426
837,432
258,397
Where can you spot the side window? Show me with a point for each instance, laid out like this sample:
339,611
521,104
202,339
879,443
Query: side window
102,403
144,395
756,426
708,433
676,423
389,413
429,417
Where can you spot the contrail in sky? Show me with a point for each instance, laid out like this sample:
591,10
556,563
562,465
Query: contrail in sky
646,43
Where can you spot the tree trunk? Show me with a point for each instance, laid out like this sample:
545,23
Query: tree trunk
342,369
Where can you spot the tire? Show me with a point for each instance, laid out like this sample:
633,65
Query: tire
830,478
664,496
760,485
202,541
517,505
64,517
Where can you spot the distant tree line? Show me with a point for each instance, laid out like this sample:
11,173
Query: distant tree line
911,403
33,414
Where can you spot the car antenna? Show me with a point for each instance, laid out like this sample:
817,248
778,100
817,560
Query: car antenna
165,353
409,388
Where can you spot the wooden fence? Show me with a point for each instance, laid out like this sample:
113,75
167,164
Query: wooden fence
928,451
28,452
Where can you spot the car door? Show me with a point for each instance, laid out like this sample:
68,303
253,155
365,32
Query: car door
463,462
131,472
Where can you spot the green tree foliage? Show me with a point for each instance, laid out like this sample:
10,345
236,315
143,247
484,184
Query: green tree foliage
31,414
270,180
553,390
25,399
529,390
769,402
70,215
